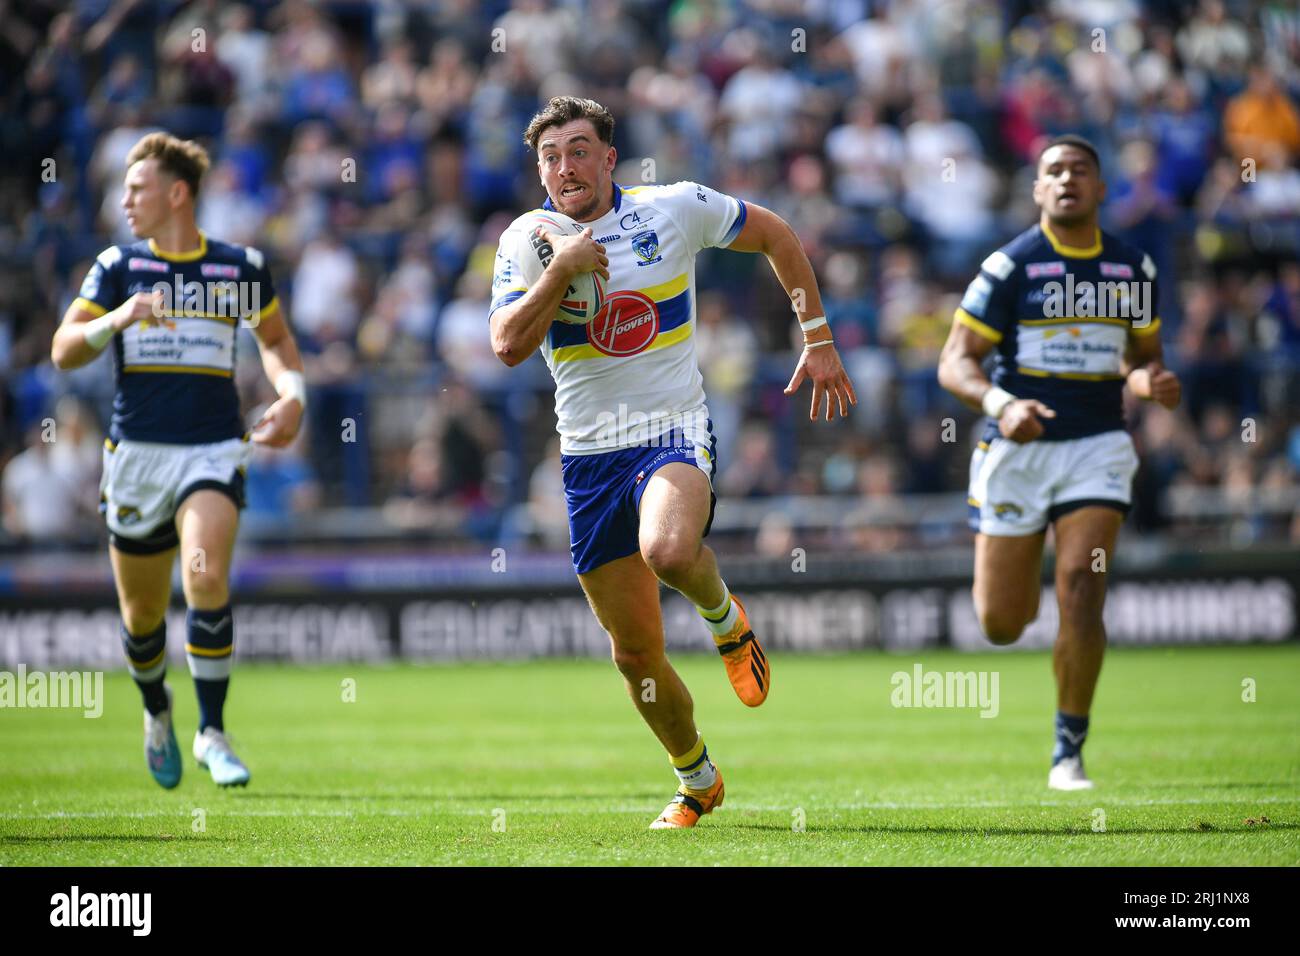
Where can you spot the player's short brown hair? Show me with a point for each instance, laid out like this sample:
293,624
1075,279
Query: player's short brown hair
566,109
182,158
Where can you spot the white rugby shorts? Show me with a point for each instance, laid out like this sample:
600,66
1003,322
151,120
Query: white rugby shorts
1018,489
143,483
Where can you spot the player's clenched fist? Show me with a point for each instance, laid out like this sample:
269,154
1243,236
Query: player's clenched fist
279,425
1156,383
142,305
577,254
1019,420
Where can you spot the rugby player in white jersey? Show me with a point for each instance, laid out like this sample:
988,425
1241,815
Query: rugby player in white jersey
638,454
1055,450
175,459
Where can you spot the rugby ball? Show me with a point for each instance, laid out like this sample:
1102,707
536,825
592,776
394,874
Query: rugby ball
585,296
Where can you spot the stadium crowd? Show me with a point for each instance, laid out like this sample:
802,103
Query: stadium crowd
374,152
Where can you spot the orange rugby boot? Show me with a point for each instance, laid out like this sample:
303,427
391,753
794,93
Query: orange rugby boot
747,666
686,810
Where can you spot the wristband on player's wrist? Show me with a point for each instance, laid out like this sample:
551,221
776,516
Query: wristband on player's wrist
98,331
291,384
813,324
996,401
817,345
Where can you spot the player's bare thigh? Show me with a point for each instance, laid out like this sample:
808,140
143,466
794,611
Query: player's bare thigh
207,522
1085,546
674,511
624,595
144,587
1008,573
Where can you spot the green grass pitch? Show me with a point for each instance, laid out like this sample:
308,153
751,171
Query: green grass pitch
427,759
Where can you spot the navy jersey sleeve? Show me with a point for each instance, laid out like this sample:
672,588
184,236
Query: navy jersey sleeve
261,298
988,307
1148,324
101,290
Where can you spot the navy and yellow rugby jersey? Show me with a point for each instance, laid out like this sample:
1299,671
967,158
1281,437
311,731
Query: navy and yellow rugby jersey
1060,317
175,375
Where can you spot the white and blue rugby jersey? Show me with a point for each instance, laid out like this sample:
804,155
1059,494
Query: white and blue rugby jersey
1060,317
175,375
631,374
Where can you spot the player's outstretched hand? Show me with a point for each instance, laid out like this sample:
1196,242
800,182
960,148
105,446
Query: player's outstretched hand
578,254
1156,383
1019,421
279,426
829,379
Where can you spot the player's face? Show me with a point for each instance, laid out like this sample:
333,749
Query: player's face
1068,188
576,169
146,197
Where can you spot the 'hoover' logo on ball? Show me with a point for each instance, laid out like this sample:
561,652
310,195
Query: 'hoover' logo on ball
627,325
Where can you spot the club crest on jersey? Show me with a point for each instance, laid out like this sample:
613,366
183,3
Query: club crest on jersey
646,246
626,325
157,322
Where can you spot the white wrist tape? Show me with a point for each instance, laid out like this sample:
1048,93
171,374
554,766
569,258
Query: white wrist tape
817,345
290,384
99,331
811,324
996,400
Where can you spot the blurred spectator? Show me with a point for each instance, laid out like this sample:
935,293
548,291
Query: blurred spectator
227,210
754,473
867,156
461,344
50,490
758,102
1214,42
1183,132
247,53
1262,123
324,291
728,351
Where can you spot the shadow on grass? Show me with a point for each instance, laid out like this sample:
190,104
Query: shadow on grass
1191,830
498,798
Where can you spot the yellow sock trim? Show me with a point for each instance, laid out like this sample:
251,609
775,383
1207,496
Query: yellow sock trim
692,755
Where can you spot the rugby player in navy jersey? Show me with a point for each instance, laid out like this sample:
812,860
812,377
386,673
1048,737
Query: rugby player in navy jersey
1070,313
169,308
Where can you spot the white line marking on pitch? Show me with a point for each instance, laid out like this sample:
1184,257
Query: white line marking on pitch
625,808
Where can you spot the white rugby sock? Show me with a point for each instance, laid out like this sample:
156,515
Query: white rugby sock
694,768
721,619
